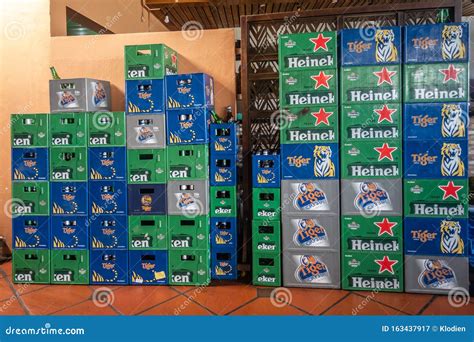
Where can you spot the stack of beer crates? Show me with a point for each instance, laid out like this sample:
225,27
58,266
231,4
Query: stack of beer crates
310,159
223,192
371,159
436,187
146,67
30,203
190,100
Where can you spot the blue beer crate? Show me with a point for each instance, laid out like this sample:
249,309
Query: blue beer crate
189,91
108,163
310,161
108,197
223,138
224,263
148,267
436,159
30,164
370,46
266,170
223,232
109,267
147,199
145,96
69,232
188,126
436,121
109,232
70,198
436,236
31,232
223,169
435,43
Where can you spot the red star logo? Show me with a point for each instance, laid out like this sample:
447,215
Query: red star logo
385,151
385,227
386,264
384,76
451,73
450,190
322,117
385,113
320,42
173,59
321,80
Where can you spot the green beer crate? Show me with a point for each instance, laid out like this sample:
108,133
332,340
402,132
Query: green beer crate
363,122
29,130
68,163
148,232
436,82
362,159
266,204
377,227
375,270
150,61
68,129
303,88
223,201
106,129
309,124
266,269
266,236
303,51
70,267
436,198
31,266
30,198
147,166
371,84
188,162
188,233
189,267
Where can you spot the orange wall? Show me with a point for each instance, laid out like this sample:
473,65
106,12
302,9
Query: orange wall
28,50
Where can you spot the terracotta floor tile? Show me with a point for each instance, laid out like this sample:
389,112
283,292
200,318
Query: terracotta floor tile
315,301
23,289
223,299
180,306
263,306
356,305
87,308
405,302
135,299
111,287
5,290
441,306
184,289
11,307
6,267
55,298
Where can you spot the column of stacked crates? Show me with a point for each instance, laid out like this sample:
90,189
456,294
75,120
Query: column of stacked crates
223,199
371,159
266,219
30,204
190,100
436,187
310,159
147,170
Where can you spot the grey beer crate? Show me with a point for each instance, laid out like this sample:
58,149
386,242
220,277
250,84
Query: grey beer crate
371,197
189,198
309,268
310,196
79,95
146,131
310,231
435,274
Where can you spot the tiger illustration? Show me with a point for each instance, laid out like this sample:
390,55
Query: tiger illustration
451,241
453,47
453,122
323,165
385,50
451,164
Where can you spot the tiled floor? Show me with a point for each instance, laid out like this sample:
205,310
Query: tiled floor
225,299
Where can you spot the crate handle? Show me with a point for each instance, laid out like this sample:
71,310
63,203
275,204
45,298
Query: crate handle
142,52
148,257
